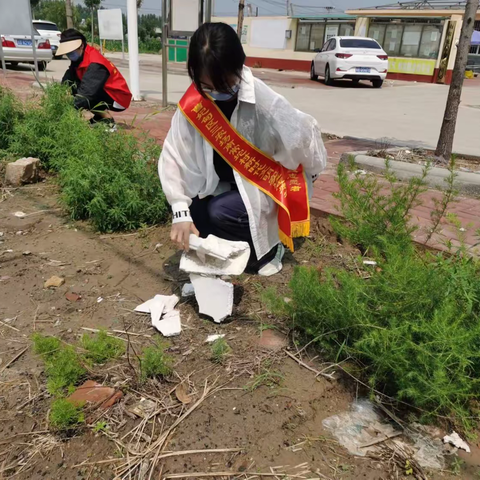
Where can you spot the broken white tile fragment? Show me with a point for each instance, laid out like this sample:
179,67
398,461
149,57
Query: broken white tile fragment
188,290
213,338
157,307
170,325
214,296
169,301
215,256
455,440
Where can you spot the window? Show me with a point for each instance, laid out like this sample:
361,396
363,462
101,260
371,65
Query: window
332,45
317,36
377,32
326,47
358,43
312,36
430,41
346,30
411,40
393,38
45,26
303,37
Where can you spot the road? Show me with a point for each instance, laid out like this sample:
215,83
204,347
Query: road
399,113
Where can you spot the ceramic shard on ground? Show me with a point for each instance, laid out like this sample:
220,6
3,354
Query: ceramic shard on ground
215,256
213,338
214,296
169,301
93,392
455,440
157,307
170,325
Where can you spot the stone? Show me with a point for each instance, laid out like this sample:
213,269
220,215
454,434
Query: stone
272,340
54,282
73,297
93,392
24,170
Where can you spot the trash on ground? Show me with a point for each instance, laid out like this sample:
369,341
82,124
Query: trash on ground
456,441
362,431
213,338
214,296
73,297
170,325
188,290
182,394
169,301
360,172
144,408
27,253
215,256
54,282
20,214
93,392
99,300
370,262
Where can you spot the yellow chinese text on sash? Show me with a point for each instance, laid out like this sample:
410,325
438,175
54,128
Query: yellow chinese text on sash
287,188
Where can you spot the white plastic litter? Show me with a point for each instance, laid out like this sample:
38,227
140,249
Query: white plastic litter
456,441
369,262
20,214
170,325
188,290
213,338
214,296
215,256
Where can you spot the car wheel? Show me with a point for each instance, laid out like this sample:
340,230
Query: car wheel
328,78
42,66
312,73
377,83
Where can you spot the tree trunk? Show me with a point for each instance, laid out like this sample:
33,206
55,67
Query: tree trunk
69,13
447,132
241,8
93,28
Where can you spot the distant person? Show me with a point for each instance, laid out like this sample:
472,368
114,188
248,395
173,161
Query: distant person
96,83
239,161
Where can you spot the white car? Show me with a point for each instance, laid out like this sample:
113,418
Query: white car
18,49
354,58
48,30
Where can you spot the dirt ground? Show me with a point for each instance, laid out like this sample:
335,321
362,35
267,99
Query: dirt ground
270,407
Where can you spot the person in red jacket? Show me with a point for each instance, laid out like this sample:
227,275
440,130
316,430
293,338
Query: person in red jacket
96,83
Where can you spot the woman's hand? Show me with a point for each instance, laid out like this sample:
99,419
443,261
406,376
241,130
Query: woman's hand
180,234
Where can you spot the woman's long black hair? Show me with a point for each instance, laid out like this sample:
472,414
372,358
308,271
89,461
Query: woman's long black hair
216,53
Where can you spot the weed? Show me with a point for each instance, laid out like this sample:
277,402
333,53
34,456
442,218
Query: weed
219,349
64,415
101,347
267,378
155,362
46,347
11,112
100,426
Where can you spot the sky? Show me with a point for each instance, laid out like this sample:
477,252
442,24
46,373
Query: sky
266,7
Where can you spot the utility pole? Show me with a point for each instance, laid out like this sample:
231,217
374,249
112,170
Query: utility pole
69,13
447,132
241,8
288,8
133,59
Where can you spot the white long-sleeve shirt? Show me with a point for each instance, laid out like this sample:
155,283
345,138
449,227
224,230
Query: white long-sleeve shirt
267,120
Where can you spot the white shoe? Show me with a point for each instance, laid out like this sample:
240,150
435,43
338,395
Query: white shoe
275,265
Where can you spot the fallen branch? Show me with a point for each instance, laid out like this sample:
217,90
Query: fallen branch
14,359
308,367
381,440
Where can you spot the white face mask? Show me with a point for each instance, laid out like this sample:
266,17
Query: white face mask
223,97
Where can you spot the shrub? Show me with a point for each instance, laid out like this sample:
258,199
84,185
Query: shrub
11,111
46,347
100,347
64,415
412,327
155,362
109,179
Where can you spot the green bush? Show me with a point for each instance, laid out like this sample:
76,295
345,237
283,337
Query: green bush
108,178
100,347
64,415
11,112
46,347
413,326
155,362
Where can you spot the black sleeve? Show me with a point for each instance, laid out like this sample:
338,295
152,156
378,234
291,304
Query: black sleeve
71,78
91,86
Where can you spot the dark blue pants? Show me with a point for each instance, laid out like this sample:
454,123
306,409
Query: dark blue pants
225,216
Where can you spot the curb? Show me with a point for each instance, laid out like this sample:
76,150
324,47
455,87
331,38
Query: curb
466,183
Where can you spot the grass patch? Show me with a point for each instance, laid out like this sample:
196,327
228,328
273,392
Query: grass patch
64,415
46,347
267,378
101,347
11,112
412,328
155,362
219,349
109,179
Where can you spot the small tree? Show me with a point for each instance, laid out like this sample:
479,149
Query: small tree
447,132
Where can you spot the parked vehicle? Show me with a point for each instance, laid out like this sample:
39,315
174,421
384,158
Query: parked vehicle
354,58
48,30
18,49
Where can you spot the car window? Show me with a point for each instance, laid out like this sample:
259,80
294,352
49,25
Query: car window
325,46
333,44
46,26
359,43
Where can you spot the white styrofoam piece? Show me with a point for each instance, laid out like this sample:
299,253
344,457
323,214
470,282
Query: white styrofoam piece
455,440
207,256
188,290
170,325
212,338
157,307
214,296
169,301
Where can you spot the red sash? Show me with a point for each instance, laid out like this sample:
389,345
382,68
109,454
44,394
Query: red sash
287,188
